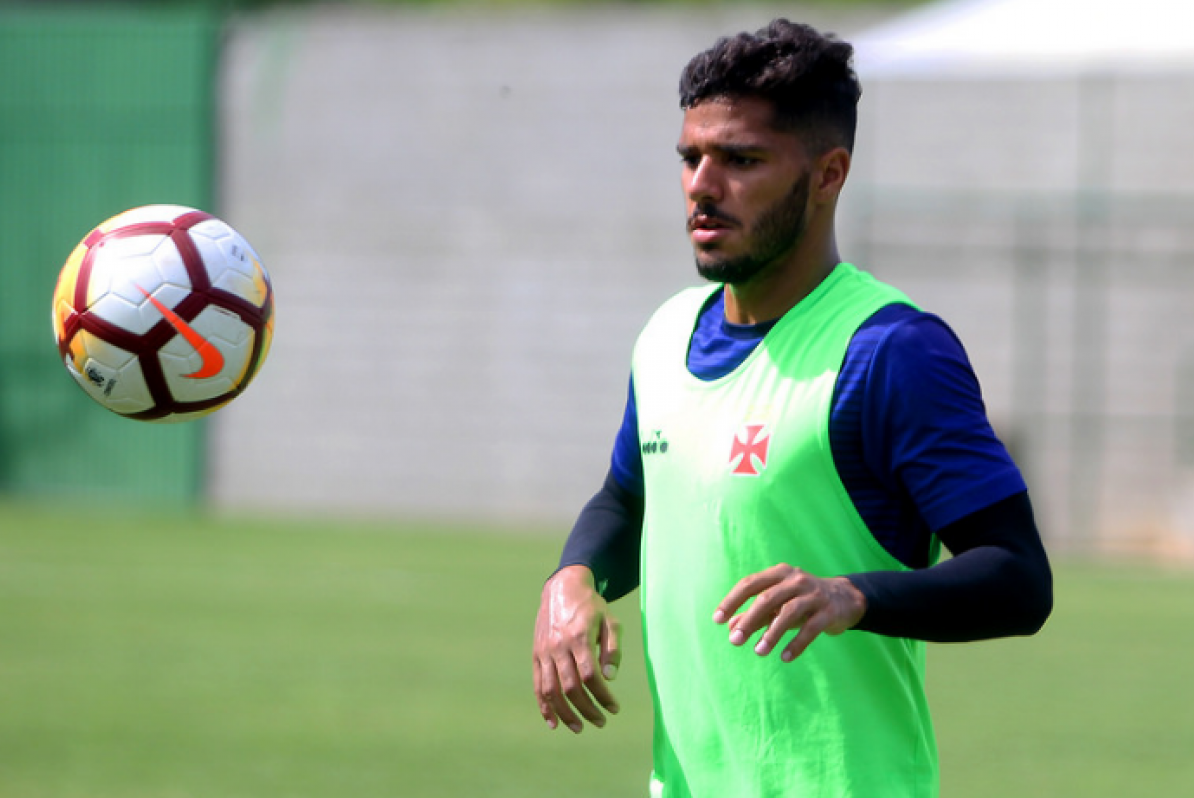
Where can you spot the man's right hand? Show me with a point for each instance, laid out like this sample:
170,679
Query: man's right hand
577,651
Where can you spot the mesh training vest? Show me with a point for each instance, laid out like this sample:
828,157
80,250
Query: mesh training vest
739,476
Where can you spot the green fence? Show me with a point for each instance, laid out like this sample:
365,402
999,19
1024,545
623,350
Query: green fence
101,109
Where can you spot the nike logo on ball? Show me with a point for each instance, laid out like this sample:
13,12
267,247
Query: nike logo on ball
213,361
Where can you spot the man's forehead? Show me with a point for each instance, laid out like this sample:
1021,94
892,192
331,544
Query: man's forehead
738,121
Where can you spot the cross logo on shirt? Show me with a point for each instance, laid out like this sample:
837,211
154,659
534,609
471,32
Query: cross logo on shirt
748,453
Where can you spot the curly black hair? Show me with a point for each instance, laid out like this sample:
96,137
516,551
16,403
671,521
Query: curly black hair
806,75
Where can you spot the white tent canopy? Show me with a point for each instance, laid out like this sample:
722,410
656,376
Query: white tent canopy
971,37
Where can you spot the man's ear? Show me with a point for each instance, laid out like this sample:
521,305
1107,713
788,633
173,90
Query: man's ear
830,174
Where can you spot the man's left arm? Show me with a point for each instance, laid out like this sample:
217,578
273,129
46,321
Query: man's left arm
923,408
930,440
997,584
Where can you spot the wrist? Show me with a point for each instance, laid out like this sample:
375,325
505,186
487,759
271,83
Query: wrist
575,574
855,600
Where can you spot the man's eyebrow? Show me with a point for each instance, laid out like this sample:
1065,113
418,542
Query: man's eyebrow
723,149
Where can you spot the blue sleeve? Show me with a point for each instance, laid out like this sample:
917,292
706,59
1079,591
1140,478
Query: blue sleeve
626,463
925,426
607,534
998,583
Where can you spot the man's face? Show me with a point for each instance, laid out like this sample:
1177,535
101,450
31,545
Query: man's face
746,188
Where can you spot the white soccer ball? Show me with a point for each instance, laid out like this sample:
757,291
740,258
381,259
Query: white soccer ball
163,313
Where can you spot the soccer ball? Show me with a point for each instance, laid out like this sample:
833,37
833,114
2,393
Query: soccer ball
163,313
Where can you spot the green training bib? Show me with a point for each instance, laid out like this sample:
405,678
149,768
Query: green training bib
739,476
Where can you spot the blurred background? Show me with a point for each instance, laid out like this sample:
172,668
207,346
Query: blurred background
468,210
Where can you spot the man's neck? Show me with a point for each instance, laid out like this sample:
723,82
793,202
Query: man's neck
771,294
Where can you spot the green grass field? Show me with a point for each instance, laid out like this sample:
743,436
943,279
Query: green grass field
179,656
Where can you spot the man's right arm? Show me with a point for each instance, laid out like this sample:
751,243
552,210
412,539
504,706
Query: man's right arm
606,538
607,533
577,649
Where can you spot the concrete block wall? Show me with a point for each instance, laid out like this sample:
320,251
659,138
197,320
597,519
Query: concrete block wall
468,217
1050,221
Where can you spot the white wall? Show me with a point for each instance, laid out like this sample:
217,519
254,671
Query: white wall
468,216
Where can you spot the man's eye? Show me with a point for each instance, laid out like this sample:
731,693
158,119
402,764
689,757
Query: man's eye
742,160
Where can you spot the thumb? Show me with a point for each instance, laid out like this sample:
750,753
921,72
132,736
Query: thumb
609,644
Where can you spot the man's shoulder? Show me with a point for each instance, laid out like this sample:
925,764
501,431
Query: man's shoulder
902,350
904,330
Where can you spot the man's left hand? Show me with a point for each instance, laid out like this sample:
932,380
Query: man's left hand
788,598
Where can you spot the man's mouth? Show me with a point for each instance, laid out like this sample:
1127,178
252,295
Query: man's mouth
707,221
707,229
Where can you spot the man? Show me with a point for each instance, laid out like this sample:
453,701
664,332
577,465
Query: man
797,439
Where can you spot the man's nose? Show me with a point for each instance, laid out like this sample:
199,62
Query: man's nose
703,183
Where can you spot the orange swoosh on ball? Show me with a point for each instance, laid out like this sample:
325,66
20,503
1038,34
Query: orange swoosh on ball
213,361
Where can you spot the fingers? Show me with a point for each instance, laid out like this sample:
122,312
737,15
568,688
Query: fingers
609,658
544,687
787,599
747,587
772,590
787,616
808,633
563,683
552,694
569,692
610,646
806,613
576,640
572,699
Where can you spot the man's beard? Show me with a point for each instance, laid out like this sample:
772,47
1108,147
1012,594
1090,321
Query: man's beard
777,232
